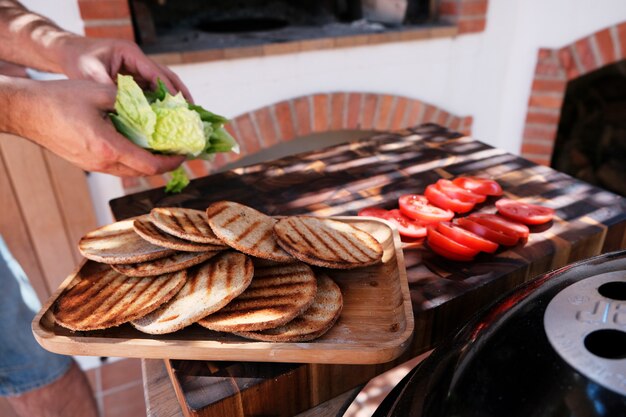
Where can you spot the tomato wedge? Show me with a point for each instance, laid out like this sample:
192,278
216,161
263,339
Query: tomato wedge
454,191
466,237
407,227
373,212
435,238
524,212
439,199
489,234
478,185
448,254
417,207
493,221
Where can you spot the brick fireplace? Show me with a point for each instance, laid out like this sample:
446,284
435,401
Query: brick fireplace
555,68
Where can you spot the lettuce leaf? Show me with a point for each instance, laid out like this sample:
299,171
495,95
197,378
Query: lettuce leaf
178,182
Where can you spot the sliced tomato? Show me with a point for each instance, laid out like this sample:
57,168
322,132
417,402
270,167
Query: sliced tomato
524,212
466,237
478,185
417,207
437,239
407,226
441,200
454,191
493,221
488,233
448,254
373,212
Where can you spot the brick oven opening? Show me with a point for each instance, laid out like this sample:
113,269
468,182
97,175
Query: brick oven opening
189,25
591,137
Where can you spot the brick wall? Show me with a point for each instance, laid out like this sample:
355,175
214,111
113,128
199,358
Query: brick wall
316,113
107,19
470,16
555,67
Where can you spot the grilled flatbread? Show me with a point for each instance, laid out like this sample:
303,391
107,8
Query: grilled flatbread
311,324
184,223
172,263
246,230
147,230
276,296
106,299
210,286
117,243
328,243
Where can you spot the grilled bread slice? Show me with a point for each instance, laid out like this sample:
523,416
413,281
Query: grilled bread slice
246,230
328,243
277,294
172,263
117,243
210,286
311,324
147,230
184,223
106,298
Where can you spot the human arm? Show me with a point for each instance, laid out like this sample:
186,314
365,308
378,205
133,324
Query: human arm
29,39
70,118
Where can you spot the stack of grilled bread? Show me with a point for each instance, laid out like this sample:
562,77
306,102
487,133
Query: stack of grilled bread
229,269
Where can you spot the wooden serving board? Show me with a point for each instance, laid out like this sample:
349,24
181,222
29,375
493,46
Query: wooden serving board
375,171
375,326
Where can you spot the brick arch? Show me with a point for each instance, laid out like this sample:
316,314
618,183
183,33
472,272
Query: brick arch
555,67
315,113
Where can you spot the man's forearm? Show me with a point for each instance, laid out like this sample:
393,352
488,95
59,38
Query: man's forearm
12,92
29,39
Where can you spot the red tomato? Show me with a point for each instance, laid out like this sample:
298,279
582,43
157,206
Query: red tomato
493,221
454,191
441,200
407,227
466,238
489,234
437,239
417,207
524,212
373,212
448,254
478,185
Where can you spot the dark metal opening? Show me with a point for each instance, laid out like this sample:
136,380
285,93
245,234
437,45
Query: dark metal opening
607,343
614,290
239,25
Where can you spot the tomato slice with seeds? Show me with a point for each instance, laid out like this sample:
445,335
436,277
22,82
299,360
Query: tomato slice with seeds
438,239
448,254
454,191
466,237
373,212
524,212
478,185
489,234
493,221
417,207
439,199
407,227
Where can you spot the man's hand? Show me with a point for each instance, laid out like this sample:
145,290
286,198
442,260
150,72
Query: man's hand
102,59
70,118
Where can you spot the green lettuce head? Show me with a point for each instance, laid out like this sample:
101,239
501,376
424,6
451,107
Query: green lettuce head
168,124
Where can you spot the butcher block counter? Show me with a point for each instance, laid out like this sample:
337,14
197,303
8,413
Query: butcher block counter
339,181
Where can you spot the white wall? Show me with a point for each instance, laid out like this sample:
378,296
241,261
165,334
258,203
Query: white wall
486,75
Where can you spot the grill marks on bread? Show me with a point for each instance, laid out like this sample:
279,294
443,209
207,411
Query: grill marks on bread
117,243
185,223
311,324
148,231
209,287
106,299
172,263
246,230
327,243
278,293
